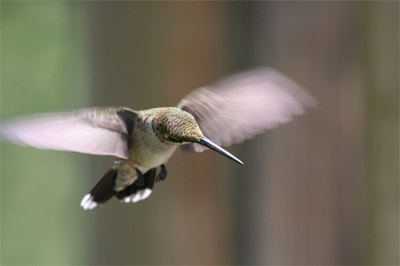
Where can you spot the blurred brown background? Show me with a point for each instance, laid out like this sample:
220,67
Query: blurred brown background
322,189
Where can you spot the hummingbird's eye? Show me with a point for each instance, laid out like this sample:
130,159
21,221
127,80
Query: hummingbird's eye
156,128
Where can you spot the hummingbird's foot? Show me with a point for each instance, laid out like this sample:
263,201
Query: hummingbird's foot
163,174
140,179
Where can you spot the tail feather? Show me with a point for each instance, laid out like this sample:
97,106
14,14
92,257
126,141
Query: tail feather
104,189
102,192
137,192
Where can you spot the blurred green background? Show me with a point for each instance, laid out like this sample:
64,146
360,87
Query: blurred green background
323,189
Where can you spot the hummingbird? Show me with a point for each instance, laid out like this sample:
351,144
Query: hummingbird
228,111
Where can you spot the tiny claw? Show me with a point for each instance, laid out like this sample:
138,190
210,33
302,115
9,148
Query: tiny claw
163,174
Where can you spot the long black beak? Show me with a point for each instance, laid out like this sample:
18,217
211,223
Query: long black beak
209,144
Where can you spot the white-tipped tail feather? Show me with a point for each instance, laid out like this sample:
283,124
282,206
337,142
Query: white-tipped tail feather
87,202
140,195
146,193
135,197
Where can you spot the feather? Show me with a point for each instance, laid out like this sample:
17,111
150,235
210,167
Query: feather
100,131
244,105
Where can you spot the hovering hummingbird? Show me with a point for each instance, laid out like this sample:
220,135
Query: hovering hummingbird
227,112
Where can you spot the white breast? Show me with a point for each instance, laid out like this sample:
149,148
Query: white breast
148,151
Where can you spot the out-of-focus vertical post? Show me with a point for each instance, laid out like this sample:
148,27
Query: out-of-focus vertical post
381,58
305,202
149,54
42,70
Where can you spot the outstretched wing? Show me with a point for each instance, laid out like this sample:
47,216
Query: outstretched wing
101,131
244,105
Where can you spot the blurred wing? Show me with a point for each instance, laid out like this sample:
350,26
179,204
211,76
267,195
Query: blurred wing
101,131
244,105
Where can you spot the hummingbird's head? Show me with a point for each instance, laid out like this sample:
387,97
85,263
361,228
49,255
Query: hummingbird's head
176,127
